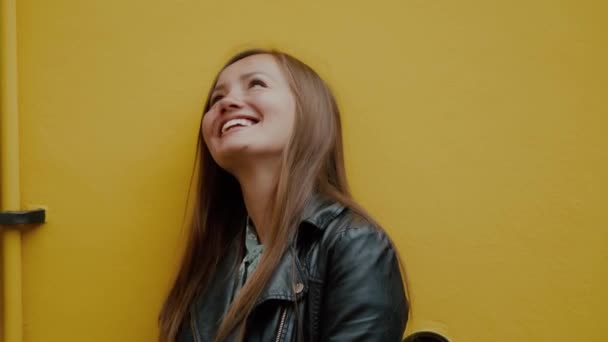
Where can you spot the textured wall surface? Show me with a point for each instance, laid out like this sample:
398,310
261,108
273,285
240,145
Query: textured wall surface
475,132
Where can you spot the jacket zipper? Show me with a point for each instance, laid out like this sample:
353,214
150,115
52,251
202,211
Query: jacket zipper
281,324
279,330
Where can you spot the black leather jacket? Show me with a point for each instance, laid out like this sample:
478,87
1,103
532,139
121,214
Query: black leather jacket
341,281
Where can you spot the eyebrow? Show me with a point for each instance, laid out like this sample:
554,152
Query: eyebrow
222,86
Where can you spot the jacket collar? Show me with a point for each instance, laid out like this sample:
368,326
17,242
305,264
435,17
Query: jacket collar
320,210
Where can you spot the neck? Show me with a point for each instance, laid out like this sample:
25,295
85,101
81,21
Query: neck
258,185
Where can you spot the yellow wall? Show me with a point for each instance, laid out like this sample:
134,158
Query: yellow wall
475,132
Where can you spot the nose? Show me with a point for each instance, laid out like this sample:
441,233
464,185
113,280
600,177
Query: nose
229,103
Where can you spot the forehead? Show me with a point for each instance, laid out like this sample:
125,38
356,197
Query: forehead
261,63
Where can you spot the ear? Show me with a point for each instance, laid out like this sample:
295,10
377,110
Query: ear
426,336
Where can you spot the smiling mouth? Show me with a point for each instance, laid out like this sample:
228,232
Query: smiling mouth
234,123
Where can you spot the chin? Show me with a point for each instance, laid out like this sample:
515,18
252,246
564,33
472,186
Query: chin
234,156
229,156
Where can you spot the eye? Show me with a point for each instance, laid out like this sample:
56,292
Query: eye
256,82
215,98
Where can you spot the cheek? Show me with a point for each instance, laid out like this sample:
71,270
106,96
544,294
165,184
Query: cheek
206,127
283,108
284,122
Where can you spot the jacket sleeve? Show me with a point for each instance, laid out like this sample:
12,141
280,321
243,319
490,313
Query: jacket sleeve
364,297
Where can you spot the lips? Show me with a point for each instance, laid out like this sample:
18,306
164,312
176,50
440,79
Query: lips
236,121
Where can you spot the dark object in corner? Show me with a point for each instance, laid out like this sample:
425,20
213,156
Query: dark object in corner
425,336
14,218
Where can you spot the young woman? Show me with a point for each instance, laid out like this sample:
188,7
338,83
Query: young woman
278,249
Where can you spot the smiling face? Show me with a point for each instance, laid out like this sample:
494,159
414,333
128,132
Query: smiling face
251,112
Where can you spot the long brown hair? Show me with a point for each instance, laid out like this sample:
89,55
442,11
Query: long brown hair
312,161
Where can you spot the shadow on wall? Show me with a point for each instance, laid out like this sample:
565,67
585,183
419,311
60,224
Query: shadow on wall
425,336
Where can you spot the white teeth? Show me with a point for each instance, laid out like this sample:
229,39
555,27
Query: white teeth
237,122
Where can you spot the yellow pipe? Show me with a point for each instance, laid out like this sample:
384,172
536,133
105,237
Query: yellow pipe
9,181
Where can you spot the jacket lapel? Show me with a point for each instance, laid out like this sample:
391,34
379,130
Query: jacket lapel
205,316
289,281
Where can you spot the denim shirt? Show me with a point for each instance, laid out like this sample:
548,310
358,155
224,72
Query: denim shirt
253,254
